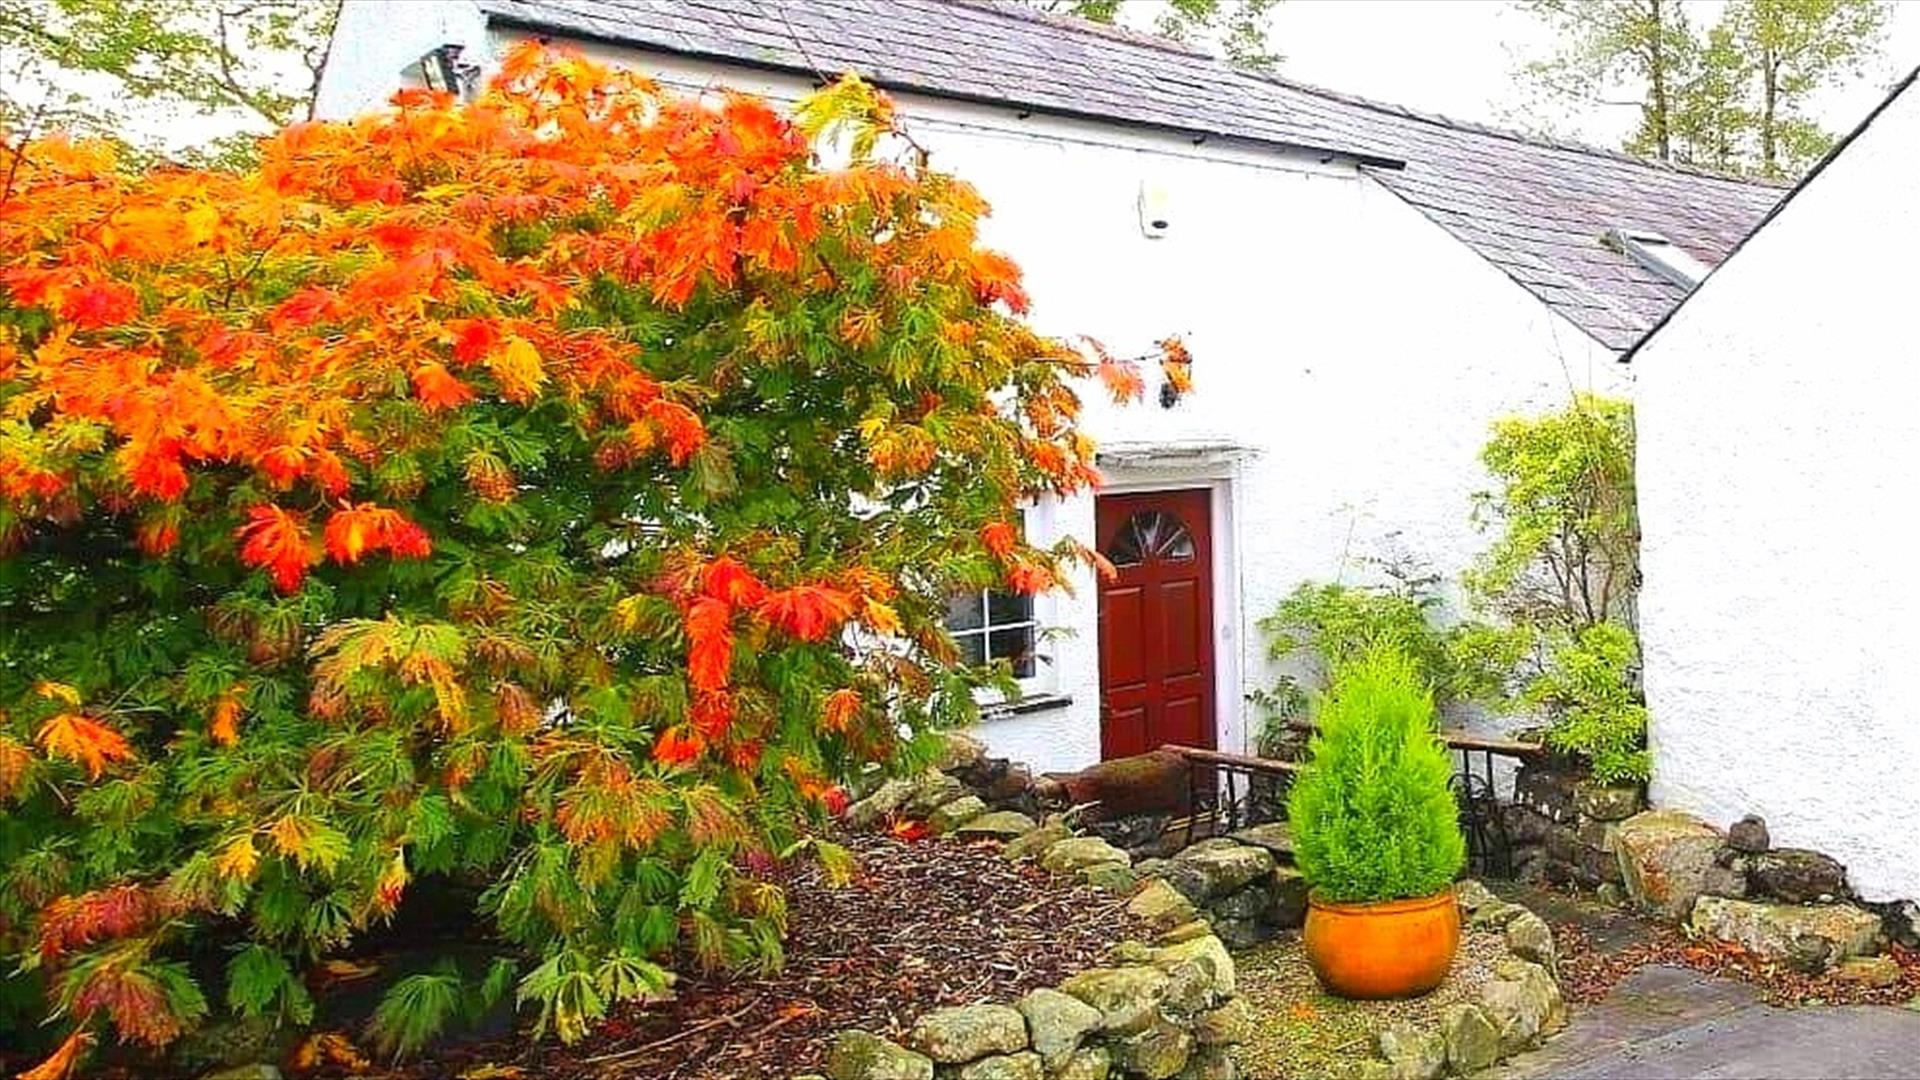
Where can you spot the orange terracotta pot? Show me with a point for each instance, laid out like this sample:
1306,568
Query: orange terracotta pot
1399,948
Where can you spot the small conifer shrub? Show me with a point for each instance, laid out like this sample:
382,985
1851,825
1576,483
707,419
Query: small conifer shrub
1373,817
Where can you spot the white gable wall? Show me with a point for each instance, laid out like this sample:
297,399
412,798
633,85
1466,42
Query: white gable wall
1354,349
1779,463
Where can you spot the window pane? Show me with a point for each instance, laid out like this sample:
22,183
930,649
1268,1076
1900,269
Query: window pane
970,648
1005,608
963,611
1016,647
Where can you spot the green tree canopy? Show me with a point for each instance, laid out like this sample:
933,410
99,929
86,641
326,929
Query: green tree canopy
1732,96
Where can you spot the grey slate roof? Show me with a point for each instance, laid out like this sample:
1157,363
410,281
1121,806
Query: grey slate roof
1535,209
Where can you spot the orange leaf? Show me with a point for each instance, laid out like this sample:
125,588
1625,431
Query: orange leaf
808,612
65,1061
437,389
276,540
225,726
709,643
85,740
1122,380
678,746
999,538
841,707
725,579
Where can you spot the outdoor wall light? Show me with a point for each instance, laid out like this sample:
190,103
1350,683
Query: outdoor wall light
442,70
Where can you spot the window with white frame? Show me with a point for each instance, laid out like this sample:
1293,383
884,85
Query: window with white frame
991,626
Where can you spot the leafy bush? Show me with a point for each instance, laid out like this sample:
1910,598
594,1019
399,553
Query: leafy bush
1373,816
1336,623
554,497
1562,571
1588,690
1567,546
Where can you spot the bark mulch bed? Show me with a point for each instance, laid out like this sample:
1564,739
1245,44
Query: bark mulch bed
923,924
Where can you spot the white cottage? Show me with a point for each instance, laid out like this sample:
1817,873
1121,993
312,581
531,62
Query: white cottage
1779,459
1364,289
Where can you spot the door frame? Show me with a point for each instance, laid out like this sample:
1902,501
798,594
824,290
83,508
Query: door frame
1218,480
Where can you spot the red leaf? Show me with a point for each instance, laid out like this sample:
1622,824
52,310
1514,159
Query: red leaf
678,746
106,303
275,540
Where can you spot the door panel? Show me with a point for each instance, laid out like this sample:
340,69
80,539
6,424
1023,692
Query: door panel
1156,622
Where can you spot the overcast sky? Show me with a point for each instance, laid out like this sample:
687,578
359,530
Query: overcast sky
1457,57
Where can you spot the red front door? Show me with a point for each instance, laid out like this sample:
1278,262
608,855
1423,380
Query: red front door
1156,622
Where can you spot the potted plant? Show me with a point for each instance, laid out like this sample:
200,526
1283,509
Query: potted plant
1377,835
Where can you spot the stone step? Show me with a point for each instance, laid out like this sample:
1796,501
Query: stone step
1275,836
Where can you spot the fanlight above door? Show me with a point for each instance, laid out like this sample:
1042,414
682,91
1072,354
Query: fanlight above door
1151,536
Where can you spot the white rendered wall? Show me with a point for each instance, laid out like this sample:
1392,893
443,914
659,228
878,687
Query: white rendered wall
1354,348
1779,463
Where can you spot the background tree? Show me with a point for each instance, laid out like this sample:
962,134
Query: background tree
85,65
1605,43
1792,48
1238,28
1731,97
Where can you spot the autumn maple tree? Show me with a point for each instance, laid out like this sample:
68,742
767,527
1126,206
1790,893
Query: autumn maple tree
551,500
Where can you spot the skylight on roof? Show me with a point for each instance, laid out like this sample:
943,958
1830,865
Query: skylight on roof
1660,255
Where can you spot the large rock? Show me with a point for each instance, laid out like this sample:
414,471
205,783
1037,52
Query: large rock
1229,1025
1127,998
1206,873
1796,876
1667,861
1878,972
1035,843
1158,1052
1473,1043
886,799
1057,1023
1807,937
930,792
1749,835
1210,1063
1160,905
950,816
856,1055
958,750
1529,938
1413,1053
1088,1063
1286,899
1209,953
1080,852
1523,1003
969,1032
1275,836
1000,824
1603,803
1023,1066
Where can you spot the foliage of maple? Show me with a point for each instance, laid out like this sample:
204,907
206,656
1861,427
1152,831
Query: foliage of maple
556,495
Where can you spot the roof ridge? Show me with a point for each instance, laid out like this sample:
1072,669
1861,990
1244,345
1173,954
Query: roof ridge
1018,9
1508,134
